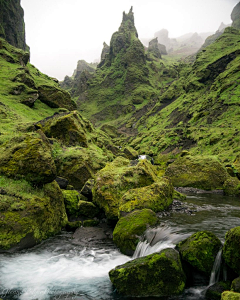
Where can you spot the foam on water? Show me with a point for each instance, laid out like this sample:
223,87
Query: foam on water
40,275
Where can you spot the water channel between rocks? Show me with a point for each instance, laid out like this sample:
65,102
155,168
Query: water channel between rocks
63,268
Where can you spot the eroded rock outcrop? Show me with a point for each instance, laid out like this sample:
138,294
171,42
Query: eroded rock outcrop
12,26
235,16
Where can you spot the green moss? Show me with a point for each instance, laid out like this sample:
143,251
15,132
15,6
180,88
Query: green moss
158,274
28,156
113,181
87,209
30,216
230,296
128,230
200,250
71,200
235,286
203,172
231,251
157,197
90,223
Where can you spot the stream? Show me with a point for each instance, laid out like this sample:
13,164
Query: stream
61,268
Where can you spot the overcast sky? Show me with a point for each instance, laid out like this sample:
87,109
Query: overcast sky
61,32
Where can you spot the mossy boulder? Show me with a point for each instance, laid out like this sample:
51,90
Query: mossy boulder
215,291
70,128
231,249
158,274
28,215
71,200
203,172
227,295
28,156
157,197
130,153
235,286
90,223
79,164
179,196
200,250
113,181
72,226
231,186
55,97
87,209
129,229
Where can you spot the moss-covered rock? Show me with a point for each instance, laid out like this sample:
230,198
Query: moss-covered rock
200,250
70,128
227,295
215,291
28,156
157,197
71,200
130,153
179,196
231,249
87,209
231,186
80,164
113,181
55,97
90,223
72,226
128,230
29,215
203,172
158,274
235,286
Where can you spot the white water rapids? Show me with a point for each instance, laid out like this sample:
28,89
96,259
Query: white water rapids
59,267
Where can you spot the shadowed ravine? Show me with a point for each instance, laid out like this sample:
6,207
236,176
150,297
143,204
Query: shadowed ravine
59,268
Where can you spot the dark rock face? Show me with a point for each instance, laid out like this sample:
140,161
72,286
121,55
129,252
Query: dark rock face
105,51
12,27
235,16
154,49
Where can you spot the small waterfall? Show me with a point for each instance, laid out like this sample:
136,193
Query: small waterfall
158,239
215,274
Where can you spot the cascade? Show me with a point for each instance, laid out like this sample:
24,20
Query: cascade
215,274
158,239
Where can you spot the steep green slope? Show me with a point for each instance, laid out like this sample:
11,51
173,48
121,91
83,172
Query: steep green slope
205,113
126,79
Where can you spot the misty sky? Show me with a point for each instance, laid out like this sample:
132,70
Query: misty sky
61,32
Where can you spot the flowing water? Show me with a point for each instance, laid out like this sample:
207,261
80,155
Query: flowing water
60,268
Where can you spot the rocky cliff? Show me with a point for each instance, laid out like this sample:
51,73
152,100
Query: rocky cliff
12,26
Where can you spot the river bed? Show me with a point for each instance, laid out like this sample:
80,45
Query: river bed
61,268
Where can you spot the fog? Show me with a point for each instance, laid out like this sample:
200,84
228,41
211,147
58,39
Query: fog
61,32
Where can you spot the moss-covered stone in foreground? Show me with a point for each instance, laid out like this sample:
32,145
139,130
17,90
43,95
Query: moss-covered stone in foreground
158,274
200,250
230,296
28,216
128,230
231,249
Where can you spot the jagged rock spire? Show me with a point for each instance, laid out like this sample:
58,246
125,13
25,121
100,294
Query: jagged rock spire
128,22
